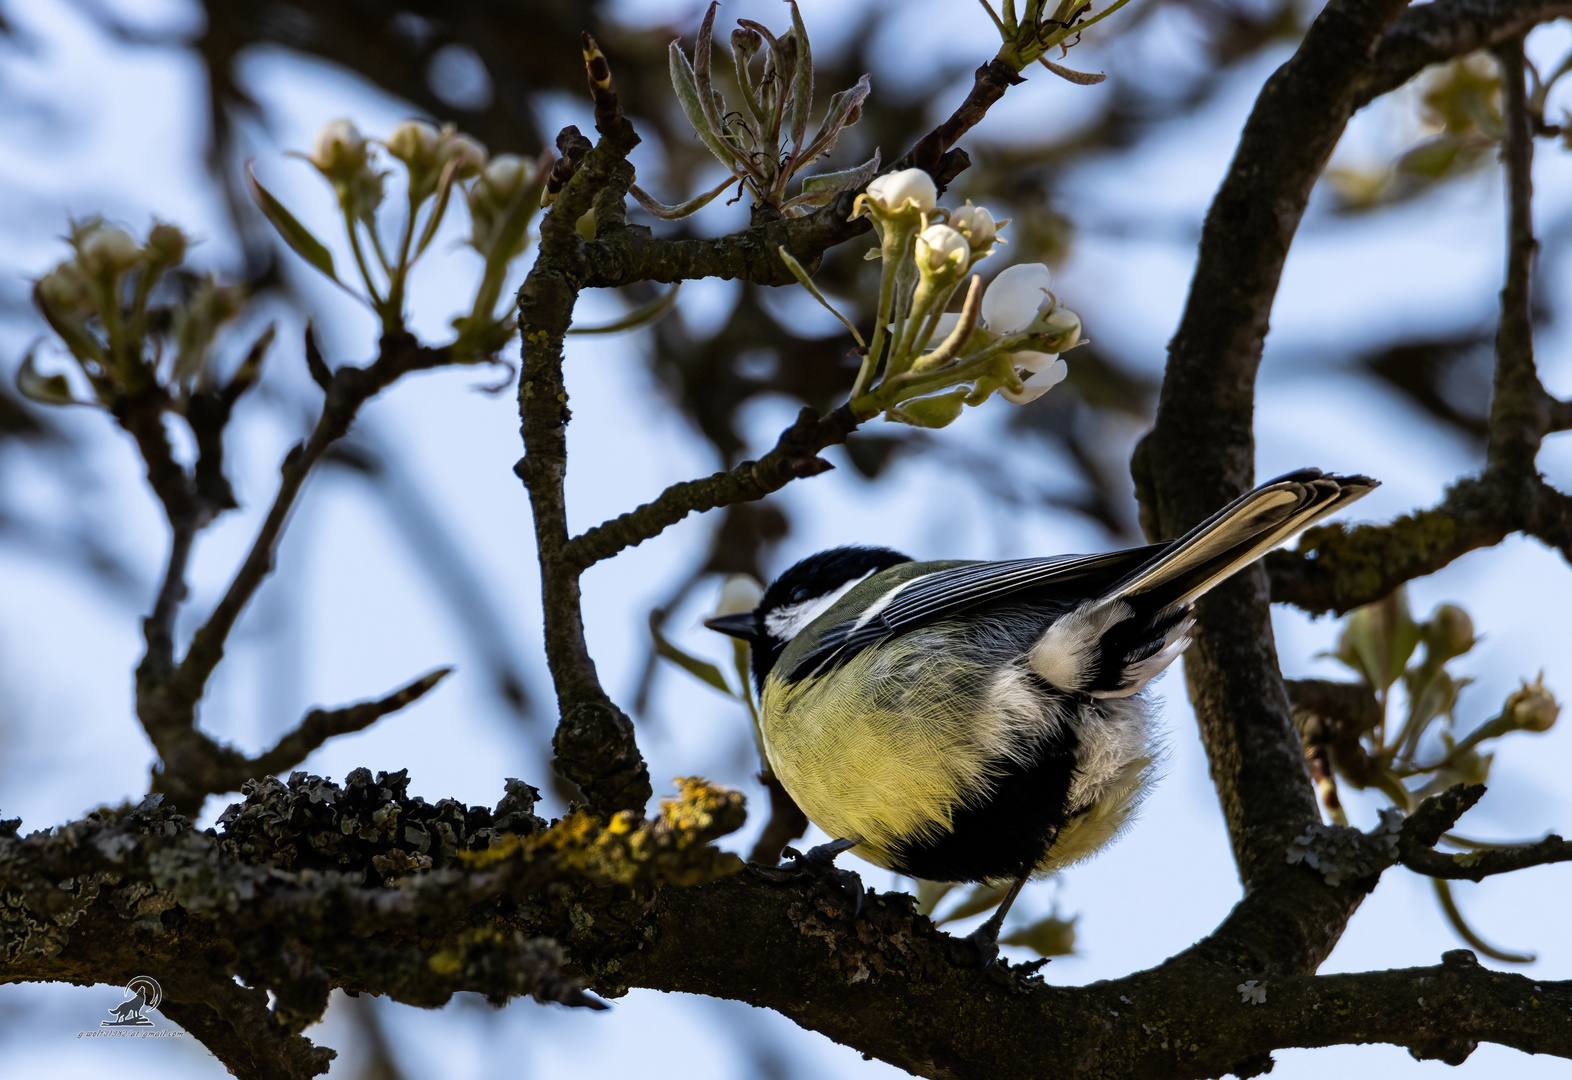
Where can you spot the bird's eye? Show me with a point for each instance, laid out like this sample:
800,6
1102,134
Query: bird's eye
798,595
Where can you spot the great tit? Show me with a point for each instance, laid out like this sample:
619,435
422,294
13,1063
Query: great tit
984,721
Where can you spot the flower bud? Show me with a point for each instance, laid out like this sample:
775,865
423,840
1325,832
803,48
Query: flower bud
340,152
500,181
939,246
1062,324
1532,707
976,224
414,142
107,252
1449,633
64,290
470,155
166,244
897,191
740,593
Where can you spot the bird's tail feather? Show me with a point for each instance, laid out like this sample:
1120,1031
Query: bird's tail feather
1238,534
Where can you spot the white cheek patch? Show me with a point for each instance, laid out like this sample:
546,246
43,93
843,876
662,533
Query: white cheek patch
785,623
1067,653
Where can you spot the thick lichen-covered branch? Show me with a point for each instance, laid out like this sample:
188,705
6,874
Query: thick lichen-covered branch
1201,453
1340,567
307,886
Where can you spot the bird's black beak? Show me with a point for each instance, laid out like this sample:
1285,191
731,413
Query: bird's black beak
741,625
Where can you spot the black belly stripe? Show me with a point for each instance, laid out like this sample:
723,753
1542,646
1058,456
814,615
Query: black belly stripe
1008,834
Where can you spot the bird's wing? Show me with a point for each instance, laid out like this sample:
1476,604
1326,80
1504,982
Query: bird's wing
944,593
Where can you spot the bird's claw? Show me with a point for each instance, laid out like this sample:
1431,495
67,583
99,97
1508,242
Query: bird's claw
819,862
985,942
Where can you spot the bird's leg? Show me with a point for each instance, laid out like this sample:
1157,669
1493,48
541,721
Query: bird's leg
986,937
819,862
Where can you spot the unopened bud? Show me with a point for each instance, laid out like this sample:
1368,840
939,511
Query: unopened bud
1063,325
1532,707
107,251
899,191
340,151
1449,633
469,154
976,224
740,593
414,142
939,246
166,244
64,290
502,179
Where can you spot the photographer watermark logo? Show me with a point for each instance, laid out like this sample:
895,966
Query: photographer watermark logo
129,1018
143,993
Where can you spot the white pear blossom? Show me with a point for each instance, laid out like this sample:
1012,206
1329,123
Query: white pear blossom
939,246
1013,301
1015,297
894,192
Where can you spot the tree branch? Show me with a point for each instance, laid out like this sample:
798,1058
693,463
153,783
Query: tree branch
794,456
1433,817
1434,33
192,765
1201,452
308,886
320,725
594,741
1336,568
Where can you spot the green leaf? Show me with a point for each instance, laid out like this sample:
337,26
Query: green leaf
979,898
643,315
1378,640
845,110
702,670
802,81
937,411
44,389
1050,936
820,189
813,290
670,212
929,893
296,235
682,81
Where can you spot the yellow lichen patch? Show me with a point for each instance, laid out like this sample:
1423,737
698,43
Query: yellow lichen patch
672,848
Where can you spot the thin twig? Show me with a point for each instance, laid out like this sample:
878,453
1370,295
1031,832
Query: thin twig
320,725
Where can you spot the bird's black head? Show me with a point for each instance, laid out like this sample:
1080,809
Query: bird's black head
798,597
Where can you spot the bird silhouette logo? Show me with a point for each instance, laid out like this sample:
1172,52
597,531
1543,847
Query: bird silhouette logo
144,993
